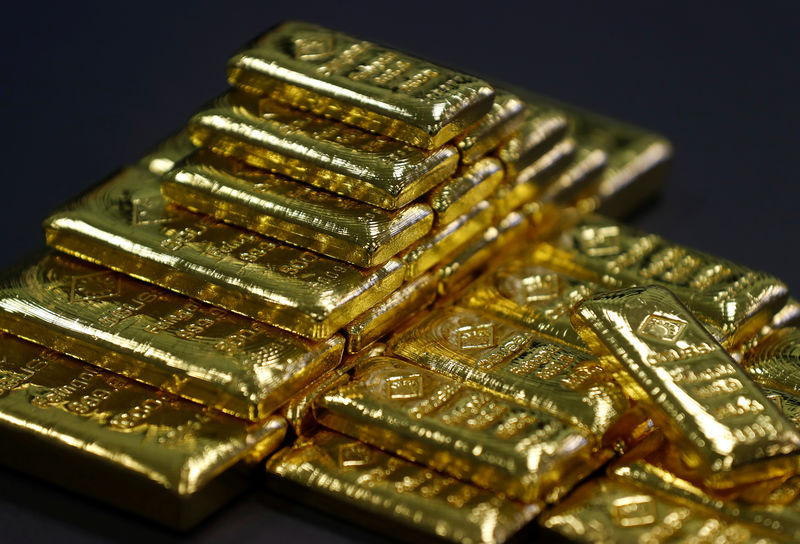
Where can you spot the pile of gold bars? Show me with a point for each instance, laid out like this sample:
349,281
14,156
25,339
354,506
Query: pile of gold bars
388,279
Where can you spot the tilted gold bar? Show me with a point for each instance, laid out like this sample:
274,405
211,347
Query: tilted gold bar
390,494
775,361
293,212
734,302
166,153
124,443
495,356
543,127
503,120
361,83
469,186
579,179
391,312
665,360
126,225
471,435
190,349
788,316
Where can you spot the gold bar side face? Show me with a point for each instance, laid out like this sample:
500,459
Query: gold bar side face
168,152
733,301
293,212
664,359
185,347
501,358
361,84
504,119
469,186
472,435
542,129
126,225
580,179
356,475
111,431
775,361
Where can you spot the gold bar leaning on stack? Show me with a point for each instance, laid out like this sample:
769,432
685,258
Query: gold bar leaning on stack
124,443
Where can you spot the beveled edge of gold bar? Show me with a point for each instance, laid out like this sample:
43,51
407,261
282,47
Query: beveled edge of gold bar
541,129
580,178
469,186
163,156
504,118
418,121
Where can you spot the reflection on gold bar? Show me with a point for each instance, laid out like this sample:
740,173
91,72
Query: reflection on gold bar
775,361
472,435
125,224
390,494
293,212
361,83
734,302
124,443
504,119
387,314
543,127
445,239
579,179
665,360
177,344
495,356
469,186
166,153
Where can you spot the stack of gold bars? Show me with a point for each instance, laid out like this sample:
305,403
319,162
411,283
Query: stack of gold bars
388,279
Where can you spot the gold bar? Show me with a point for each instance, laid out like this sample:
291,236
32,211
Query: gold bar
501,358
391,312
503,120
667,362
444,240
471,184
360,83
171,342
126,225
161,158
124,443
392,495
543,127
734,302
471,435
293,212
580,179
775,361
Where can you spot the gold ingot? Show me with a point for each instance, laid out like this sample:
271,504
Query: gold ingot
293,212
168,152
579,179
734,302
775,361
174,343
445,240
706,404
125,224
788,316
391,312
360,83
469,434
471,184
503,120
389,494
544,126
122,442
504,359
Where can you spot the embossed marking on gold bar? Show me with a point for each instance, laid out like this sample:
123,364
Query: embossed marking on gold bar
542,129
469,186
775,361
505,117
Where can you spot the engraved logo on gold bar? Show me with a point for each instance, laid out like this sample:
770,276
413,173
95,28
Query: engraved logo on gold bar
540,287
404,387
634,511
97,286
600,241
666,329
148,211
476,336
354,455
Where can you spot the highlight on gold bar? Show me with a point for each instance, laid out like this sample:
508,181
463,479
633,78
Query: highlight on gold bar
126,224
164,155
503,120
542,128
580,179
360,83
469,186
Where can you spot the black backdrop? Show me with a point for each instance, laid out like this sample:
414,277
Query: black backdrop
89,87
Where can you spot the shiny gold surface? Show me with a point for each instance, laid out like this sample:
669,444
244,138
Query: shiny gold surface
391,312
580,179
543,127
775,361
126,225
495,356
503,120
293,212
471,435
161,158
361,83
734,302
361,482
445,239
469,186
665,360
177,344
119,441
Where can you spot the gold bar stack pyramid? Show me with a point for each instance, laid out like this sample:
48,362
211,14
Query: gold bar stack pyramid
408,290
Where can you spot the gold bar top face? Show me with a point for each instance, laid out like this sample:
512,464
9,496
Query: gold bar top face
293,212
168,152
320,152
775,361
542,128
100,423
361,83
505,117
359,476
734,302
704,401
492,355
126,225
472,184
472,435
211,356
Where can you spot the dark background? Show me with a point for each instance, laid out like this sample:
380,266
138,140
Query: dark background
87,88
